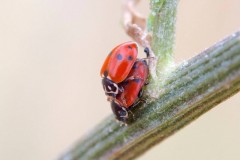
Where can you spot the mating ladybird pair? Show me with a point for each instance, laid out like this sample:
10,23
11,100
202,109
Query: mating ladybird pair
123,76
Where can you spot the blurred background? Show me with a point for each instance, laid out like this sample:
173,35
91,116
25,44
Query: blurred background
51,52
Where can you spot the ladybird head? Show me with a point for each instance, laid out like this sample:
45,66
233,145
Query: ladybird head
122,114
111,89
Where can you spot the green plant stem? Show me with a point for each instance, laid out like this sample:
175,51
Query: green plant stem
193,88
162,20
162,24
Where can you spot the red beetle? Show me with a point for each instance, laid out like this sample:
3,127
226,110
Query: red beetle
117,66
119,62
133,84
132,91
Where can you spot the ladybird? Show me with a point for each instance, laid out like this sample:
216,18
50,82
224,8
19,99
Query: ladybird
119,62
123,76
132,91
117,66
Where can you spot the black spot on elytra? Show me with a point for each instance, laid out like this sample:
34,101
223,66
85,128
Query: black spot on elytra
134,66
129,47
137,80
130,58
105,73
119,56
124,83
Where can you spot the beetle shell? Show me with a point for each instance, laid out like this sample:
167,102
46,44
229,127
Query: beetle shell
133,84
119,62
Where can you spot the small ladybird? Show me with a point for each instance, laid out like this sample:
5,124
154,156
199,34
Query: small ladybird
132,91
119,62
133,84
117,66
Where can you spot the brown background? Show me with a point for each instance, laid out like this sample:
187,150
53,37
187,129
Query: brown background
50,91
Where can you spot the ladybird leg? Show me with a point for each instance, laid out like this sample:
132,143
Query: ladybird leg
147,58
146,82
111,98
135,104
140,93
133,116
121,123
141,99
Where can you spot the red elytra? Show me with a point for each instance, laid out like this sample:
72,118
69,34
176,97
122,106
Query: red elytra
133,84
119,62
